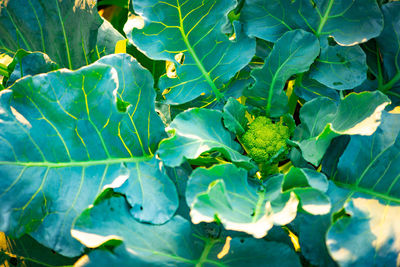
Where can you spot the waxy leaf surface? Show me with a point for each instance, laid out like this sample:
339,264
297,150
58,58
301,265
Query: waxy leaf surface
390,50
35,25
190,34
176,243
26,63
349,22
63,138
338,67
196,131
322,120
224,192
293,53
368,170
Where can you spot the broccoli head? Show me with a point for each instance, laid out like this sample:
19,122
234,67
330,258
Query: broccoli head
264,139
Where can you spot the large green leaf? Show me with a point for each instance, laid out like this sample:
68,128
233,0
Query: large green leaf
107,38
234,116
349,22
338,67
26,63
390,49
369,168
63,138
196,131
375,168
175,243
322,120
26,251
52,27
293,53
223,192
312,229
308,89
189,34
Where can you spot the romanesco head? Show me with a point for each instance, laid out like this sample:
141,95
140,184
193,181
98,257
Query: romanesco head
263,139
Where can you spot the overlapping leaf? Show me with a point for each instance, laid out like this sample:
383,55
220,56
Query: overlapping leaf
196,131
322,120
224,192
63,138
234,117
312,229
349,22
26,63
293,53
189,34
175,243
308,89
390,49
338,67
368,171
52,27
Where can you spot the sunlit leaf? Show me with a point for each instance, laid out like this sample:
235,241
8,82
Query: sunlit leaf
63,138
175,243
194,29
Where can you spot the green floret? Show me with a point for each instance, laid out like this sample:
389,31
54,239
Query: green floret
264,139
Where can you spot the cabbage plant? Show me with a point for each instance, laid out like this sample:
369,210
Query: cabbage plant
200,133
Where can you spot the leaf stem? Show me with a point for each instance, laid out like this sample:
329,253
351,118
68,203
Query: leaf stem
108,161
378,63
4,70
207,248
325,18
199,64
291,94
393,94
386,87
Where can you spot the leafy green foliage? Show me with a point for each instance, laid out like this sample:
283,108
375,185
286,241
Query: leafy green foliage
349,23
198,131
188,33
357,114
34,26
223,192
174,243
283,61
231,133
91,144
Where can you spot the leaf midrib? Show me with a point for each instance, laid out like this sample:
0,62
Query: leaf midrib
107,161
358,189
199,64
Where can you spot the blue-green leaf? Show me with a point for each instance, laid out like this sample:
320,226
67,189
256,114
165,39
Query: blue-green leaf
349,22
369,168
388,47
322,121
149,191
224,192
234,117
107,38
338,67
312,229
196,131
52,27
293,53
189,34
27,63
63,138
368,235
176,243
309,89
